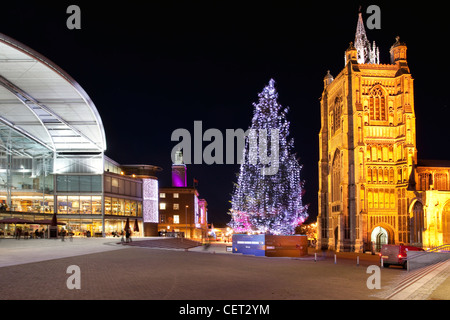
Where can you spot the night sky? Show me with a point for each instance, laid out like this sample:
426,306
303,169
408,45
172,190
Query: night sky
151,69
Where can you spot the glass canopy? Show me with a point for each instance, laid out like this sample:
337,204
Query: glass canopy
44,103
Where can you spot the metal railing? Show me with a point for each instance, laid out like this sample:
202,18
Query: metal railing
445,247
432,250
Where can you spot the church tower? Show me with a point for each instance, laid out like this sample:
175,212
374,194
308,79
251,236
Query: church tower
367,149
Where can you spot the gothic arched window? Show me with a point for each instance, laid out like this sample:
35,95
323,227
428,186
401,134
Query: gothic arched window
377,105
424,181
336,177
337,114
441,181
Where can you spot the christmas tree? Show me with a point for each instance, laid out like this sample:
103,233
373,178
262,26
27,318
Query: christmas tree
268,201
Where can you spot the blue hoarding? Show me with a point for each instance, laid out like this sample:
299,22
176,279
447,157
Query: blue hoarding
249,244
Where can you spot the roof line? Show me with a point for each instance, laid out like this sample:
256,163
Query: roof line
35,55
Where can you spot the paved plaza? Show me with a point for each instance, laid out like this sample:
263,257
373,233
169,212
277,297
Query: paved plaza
36,269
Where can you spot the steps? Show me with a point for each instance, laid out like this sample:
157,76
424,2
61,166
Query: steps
416,284
165,243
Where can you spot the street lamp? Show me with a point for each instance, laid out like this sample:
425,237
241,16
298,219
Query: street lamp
185,220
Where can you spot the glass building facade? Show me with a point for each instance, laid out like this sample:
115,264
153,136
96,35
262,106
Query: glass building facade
52,153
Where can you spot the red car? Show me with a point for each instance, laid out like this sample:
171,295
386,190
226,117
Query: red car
396,254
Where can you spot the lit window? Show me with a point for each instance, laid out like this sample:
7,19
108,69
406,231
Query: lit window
176,206
176,195
176,219
162,195
377,105
162,206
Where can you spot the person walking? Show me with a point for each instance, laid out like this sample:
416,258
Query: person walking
18,233
127,235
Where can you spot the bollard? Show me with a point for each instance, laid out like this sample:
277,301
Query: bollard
357,260
382,265
315,257
335,259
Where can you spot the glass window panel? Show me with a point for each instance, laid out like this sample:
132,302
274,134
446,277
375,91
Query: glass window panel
62,204
73,183
108,210
115,206
86,204
121,187
121,207
127,207
133,208
73,204
96,205
96,183
139,213
127,187
133,189
36,204
139,190
48,205
61,183
85,183
48,187
107,185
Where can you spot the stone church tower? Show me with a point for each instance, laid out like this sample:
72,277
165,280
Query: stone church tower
367,150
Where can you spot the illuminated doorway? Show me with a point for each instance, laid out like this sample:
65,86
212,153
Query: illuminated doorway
379,238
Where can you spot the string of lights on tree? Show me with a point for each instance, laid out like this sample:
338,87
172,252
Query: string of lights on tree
261,203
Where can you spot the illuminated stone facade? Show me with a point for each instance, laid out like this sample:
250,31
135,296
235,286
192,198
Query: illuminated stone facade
372,190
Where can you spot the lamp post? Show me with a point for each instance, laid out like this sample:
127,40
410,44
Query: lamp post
185,220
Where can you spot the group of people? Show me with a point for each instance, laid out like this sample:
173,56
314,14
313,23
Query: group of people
44,234
38,234
26,234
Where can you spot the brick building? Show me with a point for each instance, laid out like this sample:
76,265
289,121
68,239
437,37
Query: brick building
181,211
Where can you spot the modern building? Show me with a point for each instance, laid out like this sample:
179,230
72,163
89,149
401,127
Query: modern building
52,153
181,211
373,189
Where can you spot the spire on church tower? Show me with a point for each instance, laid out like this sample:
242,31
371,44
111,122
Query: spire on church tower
366,53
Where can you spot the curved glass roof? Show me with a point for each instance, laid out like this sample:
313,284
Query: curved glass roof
43,102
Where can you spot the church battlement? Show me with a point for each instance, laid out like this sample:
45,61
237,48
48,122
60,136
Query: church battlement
379,66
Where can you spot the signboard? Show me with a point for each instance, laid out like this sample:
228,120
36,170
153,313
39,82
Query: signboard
249,244
270,246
